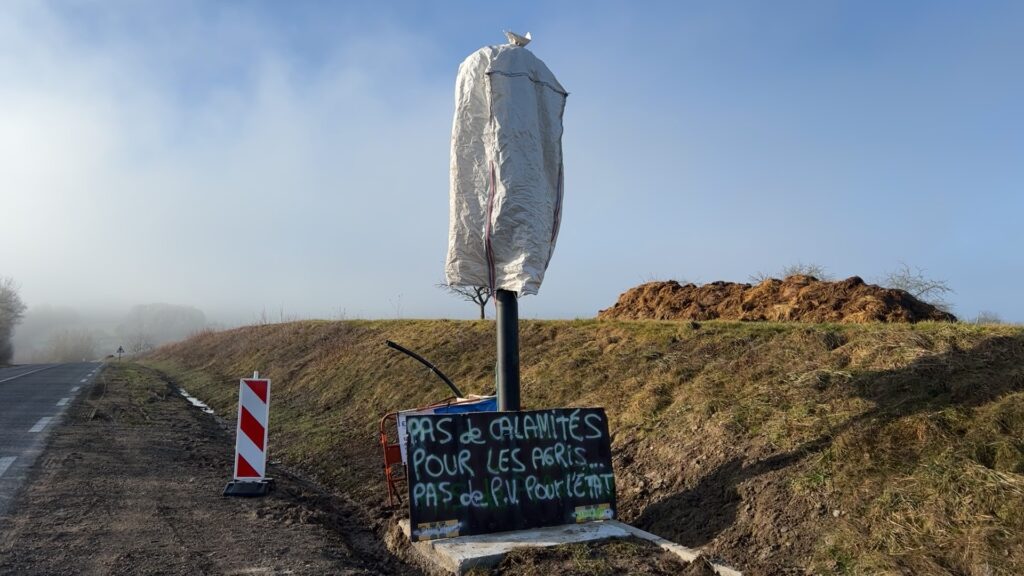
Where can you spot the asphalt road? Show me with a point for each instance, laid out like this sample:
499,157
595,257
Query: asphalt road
33,399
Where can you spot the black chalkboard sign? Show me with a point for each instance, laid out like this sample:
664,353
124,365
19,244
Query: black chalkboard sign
483,472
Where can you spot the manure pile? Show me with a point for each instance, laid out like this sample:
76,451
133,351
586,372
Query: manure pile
797,298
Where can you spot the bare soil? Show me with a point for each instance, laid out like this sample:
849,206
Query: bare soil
797,298
709,499
132,483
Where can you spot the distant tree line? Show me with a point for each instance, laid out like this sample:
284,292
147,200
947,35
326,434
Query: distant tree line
72,345
63,334
147,326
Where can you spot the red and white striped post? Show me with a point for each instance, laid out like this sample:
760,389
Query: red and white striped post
250,477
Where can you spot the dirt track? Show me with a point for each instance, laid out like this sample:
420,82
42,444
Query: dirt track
131,484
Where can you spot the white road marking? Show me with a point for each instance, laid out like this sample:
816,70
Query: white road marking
83,380
26,374
75,389
63,401
41,424
6,462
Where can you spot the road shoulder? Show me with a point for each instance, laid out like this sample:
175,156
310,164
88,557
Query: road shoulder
131,483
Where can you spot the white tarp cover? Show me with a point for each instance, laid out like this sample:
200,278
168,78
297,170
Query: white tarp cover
506,170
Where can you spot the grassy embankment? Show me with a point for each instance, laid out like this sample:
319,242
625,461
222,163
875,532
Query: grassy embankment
851,449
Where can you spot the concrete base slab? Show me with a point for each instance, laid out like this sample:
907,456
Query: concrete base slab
460,554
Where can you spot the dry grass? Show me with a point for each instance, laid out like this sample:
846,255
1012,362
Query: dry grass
913,434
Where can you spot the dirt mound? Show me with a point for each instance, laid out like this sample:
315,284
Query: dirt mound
798,298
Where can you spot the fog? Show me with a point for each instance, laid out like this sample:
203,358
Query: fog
255,164
272,187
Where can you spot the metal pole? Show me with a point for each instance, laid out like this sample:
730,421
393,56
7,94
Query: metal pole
508,350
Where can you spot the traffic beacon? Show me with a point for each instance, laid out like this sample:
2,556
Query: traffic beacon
250,477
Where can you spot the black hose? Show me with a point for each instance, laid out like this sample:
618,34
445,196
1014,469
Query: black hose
426,363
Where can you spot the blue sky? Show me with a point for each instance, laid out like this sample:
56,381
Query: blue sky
238,156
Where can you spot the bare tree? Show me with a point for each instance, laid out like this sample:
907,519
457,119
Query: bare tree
140,343
914,282
478,295
810,269
12,309
987,317
758,277
816,270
